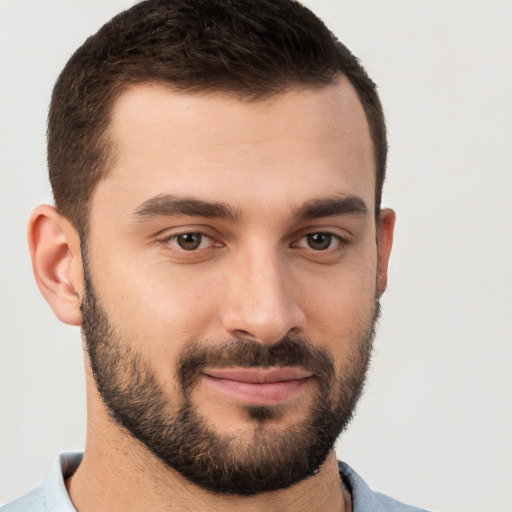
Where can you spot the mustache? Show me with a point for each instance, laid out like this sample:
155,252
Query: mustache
287,352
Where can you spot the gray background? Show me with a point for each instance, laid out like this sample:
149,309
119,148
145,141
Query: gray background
434,426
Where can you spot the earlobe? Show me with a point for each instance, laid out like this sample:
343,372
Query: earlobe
385,230
56,261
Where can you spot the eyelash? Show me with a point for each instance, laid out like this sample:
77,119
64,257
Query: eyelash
175,237
332,237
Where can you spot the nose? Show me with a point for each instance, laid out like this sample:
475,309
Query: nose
261,303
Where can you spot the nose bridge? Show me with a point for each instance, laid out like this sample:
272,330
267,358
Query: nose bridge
262,304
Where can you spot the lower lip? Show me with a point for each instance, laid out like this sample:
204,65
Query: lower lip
269,393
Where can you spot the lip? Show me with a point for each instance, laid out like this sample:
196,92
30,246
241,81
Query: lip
258,386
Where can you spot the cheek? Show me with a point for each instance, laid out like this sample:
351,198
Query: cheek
340,306
155,308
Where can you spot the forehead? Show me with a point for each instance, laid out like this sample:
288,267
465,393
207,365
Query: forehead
295,145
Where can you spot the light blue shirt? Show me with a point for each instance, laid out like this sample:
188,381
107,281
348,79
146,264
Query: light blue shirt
53,497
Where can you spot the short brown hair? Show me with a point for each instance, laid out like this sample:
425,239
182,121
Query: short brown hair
250,48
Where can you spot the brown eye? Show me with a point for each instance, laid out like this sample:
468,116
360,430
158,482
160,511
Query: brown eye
189,241
319,241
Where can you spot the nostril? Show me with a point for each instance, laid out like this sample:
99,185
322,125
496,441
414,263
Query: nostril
240,333
297,331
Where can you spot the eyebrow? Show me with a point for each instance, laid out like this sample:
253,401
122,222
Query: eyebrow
167,205
332,206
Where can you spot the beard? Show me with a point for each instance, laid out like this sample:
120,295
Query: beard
259,457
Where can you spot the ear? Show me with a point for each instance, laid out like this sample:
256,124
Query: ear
57,262
385,230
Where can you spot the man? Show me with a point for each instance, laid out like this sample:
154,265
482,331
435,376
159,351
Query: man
217,169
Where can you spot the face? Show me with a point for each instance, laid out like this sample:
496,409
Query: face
230,280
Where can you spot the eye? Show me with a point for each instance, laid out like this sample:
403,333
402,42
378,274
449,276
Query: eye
190,241
319,241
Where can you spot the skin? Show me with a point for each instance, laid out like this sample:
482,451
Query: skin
253,277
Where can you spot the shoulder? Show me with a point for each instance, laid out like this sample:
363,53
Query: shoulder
52,495
389,504
34,501
363,498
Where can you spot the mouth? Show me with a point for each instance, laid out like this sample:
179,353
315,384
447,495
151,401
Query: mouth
258,386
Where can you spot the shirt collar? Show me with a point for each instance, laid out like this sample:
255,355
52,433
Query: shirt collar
56,495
